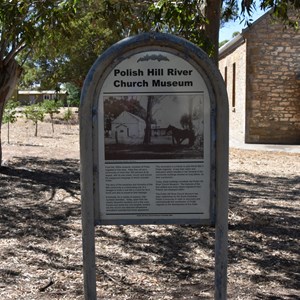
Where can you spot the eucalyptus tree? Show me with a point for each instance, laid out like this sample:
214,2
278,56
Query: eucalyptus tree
97,26
23,24
200,20
41,30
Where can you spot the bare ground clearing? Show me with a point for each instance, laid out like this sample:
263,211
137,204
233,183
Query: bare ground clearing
40,225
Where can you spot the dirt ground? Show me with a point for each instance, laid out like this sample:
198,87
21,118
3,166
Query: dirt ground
40,230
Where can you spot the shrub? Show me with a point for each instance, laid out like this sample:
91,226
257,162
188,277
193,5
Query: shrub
35,113
9,115
51,107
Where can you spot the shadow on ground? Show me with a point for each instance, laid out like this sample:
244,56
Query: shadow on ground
39,197
33,191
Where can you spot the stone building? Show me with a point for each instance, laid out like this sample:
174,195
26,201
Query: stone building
261,69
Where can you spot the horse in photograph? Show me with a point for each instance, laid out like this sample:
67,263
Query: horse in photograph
179,135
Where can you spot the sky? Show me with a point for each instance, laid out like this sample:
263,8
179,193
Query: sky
231,27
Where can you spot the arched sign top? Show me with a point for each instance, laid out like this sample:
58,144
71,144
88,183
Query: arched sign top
152,71
155,42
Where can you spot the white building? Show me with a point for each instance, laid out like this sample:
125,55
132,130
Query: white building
128,128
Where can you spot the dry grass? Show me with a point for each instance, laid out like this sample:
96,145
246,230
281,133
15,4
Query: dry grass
40,225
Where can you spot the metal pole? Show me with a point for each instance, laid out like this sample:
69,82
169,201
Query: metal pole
221,227
89,264
87,200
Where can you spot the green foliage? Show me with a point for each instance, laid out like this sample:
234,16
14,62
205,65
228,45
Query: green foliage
127,17
97,26
188,18
10,111
72,56
74,102
287,11
223,43
24,22
73,98
24,25
69,47
35,113
68,115
51,107
184,18
230,11
9,115
236,33
30,75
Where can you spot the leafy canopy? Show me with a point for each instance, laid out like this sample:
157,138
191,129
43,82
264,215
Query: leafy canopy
99,24
199,20
23,23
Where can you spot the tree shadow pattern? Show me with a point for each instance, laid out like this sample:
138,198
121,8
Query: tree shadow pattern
40,208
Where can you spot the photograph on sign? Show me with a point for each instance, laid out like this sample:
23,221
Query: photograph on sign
154,141
165,126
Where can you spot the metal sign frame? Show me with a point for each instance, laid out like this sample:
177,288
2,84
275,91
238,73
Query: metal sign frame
89,143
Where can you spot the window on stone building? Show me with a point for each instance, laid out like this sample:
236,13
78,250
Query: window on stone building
225,76
233,85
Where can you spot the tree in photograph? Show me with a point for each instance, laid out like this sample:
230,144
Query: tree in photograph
23,25
10,116
51,107
35,113
192,122
150,116
186,121
114,106
147,136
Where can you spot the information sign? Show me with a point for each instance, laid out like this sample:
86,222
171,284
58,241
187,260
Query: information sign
154,143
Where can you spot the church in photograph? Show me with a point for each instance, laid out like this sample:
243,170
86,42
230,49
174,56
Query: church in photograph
127,128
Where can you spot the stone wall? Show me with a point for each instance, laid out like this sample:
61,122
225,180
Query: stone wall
273,83
237,102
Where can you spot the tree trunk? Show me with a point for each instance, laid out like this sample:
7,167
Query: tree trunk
8,132
52,123
213,15
36,128
9,76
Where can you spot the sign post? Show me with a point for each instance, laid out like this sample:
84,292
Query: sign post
154,143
